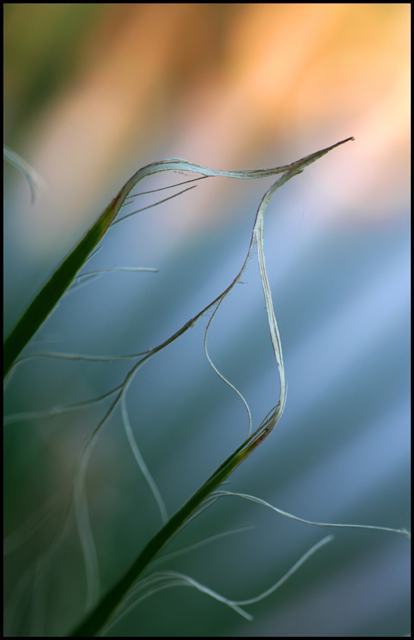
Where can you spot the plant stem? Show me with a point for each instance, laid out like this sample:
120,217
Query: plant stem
99,616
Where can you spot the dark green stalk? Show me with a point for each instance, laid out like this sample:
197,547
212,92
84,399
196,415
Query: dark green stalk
100,615
45,301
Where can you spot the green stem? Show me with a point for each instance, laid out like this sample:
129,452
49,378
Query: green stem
100,615
45,301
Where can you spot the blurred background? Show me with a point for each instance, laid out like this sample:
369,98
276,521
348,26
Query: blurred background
92,93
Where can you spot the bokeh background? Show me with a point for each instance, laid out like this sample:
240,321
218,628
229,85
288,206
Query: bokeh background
92,93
